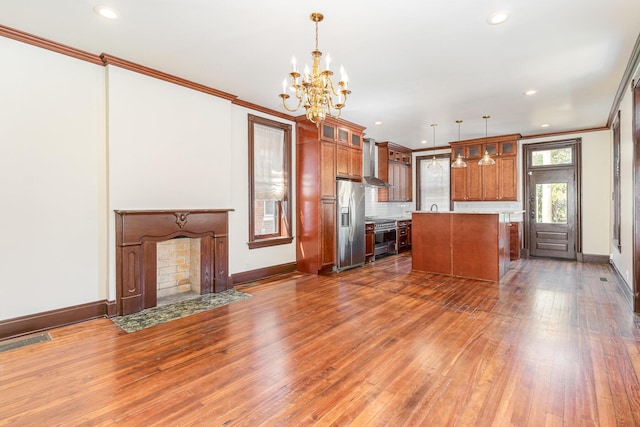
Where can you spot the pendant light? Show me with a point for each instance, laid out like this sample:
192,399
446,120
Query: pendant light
459,163
434,168
486,160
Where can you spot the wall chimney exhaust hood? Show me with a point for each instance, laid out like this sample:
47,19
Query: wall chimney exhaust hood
369,165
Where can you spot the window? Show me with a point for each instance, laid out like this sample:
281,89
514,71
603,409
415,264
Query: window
269,182
616,181
554,156
432,191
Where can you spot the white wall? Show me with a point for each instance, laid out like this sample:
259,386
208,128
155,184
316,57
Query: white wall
79,141
596,188
623,260
52,183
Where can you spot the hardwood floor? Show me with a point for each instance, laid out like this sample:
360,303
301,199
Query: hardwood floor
555,343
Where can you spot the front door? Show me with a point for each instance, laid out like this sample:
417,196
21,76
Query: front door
552,200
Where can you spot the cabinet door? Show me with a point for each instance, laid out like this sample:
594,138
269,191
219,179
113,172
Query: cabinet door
490,179
397,181
343,161
474,181
355,160
356,140
458,184
327,132
507,178
508,148
343,136
474,151
327,233
327,169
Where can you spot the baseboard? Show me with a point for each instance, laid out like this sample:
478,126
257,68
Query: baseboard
626,290
55,318
262,273
594,259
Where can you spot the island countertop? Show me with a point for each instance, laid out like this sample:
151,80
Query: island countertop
462,244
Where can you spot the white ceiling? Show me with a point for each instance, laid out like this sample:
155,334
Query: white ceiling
410,63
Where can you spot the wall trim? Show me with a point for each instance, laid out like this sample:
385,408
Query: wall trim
262,273
21,36
594,259
626,291
38,322
568,132
634,60
106,59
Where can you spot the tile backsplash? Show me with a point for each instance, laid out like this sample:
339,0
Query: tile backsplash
385,209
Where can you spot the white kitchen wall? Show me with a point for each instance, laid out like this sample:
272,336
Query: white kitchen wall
52,186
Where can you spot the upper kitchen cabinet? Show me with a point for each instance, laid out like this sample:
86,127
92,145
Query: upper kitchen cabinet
323,153
497,182
394,167
349,153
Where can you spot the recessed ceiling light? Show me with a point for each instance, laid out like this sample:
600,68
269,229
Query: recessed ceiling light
498,18
546,125
424,141
531,92
377,122
106,12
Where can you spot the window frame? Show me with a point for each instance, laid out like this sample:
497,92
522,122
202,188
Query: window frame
284,206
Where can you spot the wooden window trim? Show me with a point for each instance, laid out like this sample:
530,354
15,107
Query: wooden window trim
285,236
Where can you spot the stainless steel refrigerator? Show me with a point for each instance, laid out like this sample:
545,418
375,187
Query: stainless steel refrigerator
350,228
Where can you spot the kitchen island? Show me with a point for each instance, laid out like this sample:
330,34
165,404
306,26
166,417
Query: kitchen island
461,244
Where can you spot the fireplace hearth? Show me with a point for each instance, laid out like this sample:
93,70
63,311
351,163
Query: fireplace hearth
137,233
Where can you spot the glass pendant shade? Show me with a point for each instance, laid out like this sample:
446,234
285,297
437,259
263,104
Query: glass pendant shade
434,167
486,160
459,163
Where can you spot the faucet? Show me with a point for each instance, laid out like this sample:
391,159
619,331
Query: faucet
434,208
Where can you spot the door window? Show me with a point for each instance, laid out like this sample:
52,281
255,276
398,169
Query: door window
551,203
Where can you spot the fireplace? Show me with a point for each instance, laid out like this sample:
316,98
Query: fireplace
137,233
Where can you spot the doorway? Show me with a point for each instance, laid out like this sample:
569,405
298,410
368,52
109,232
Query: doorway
552,199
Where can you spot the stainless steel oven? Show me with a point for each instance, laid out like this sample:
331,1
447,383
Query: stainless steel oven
386,233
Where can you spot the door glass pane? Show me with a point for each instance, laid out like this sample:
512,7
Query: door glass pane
551,203
556,156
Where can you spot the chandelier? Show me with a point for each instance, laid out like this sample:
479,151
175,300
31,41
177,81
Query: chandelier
314,89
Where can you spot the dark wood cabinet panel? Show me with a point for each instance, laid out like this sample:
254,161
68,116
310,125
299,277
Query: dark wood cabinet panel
404,235
369,242
322,153
497,182
394,167
514,241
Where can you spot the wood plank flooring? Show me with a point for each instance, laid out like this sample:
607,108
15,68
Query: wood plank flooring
554,344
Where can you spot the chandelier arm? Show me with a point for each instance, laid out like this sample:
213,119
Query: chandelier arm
284,103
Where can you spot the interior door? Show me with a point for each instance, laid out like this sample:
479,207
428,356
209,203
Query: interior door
552,213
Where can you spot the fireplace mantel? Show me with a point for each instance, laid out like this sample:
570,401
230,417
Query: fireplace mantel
137,233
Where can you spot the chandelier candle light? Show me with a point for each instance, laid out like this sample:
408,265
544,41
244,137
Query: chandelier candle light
314,89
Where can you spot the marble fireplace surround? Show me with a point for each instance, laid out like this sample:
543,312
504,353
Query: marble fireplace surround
137,233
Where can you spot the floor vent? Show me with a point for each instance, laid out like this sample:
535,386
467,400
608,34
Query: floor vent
603,279
24,342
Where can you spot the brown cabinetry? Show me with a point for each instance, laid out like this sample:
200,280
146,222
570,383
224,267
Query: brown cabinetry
404,235
369,241
394,167
497,182
323,153
514,241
